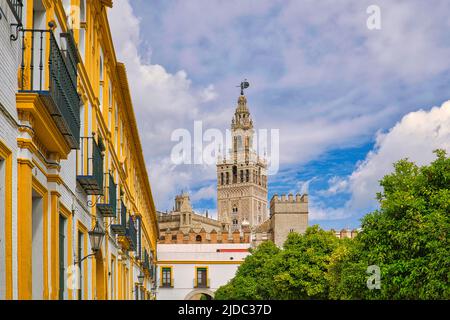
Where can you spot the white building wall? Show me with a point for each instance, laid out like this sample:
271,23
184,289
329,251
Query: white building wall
9,62
185,258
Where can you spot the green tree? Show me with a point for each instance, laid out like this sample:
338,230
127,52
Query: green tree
408,238
296,272
253,277
302,265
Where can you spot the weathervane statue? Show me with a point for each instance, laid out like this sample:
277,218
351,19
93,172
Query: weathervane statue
244,85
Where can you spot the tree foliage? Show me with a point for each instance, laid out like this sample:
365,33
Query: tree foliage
408,238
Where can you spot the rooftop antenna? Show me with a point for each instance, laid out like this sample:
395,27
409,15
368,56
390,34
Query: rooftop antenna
244,85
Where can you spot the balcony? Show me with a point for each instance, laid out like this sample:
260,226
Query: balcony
16,7
131,235
120,227
107,208
90,164
50,74
201,284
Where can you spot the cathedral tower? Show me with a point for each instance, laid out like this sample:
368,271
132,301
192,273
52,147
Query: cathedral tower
242,175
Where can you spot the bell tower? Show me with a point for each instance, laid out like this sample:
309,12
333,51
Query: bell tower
242,174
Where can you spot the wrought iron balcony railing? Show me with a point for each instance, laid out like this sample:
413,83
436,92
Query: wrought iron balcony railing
120,226
90,164
131,234
16,8
52,73
108,206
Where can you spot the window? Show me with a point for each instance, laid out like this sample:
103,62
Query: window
166,277
242,175
221,178
62,256
100,96
201,278
136,292
198,238
80,255
228,178
113,278
247,176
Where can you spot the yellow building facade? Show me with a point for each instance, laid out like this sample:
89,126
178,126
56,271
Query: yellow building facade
70,159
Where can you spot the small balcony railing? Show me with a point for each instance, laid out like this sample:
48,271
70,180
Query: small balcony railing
16,7
52,74
90,164
108,205
120,227
131,234
201,284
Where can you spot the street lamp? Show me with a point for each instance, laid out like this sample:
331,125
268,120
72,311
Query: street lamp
95,237
141,278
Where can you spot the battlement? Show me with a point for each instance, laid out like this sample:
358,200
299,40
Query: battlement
289,198
288,214
202,236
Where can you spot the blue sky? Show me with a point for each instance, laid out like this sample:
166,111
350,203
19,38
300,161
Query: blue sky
348,101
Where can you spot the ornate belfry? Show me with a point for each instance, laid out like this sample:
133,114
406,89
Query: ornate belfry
242,174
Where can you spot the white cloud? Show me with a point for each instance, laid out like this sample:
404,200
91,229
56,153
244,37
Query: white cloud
278,45
163,102
415,137
336,185
205,193
208,94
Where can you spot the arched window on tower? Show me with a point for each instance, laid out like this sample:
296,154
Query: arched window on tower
228,178
234,174
247,176
242,175
221,178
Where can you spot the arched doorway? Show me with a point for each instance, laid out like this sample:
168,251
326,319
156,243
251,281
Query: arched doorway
200,294
99,277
